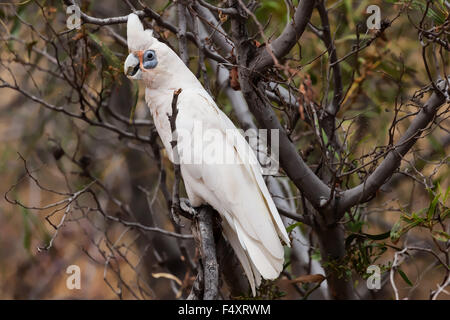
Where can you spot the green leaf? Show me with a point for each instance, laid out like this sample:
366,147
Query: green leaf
29,47
404,277
27,229
447,192
15,29
293,226
445,214
355,226
432,207
441,236
395,232
437,15
325,137
316,255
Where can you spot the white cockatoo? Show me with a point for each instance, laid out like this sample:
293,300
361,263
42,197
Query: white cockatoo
236,189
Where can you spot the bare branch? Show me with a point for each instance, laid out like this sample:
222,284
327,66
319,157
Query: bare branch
288,38
146,13
366,190
208,251
227,11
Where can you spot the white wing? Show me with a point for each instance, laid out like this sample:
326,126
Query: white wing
236,191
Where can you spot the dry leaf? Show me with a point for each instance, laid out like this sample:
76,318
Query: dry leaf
234,79
307,95
78,36
167,276
309,88
302,99
223,17
309,278
166,34
302,112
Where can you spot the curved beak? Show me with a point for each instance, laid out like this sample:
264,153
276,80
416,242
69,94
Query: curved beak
132,67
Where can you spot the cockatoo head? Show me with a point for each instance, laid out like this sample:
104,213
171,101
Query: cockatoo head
153,61
148,57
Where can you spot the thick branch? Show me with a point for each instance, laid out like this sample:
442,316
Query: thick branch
314,189
288,38
332,249
298,171
182,43
208,252
215,31
368,188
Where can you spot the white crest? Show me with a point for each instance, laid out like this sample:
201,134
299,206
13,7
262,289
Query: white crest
137,37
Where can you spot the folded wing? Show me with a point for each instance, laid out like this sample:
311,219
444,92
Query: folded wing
237,191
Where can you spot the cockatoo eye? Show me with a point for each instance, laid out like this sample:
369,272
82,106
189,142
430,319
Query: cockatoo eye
149,55
149,59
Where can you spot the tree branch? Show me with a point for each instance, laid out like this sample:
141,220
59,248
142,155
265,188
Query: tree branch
288,38
208,252
182,43
227,11
329,43
147,13
298,171
366,190
175,205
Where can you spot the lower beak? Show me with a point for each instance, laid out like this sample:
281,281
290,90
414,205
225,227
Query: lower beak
131,67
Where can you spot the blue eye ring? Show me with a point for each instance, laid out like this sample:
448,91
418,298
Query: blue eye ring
149,55
149,59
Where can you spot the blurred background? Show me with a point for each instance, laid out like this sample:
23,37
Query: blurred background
77,157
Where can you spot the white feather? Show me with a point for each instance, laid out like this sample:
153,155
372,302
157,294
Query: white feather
137,37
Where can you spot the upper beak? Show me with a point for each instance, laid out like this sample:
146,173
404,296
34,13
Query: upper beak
132,67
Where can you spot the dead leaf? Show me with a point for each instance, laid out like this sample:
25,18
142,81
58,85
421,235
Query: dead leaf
301,101
306,96
167,276
309,88
78,36
302,112
166,34
309,278
223,17
234,79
